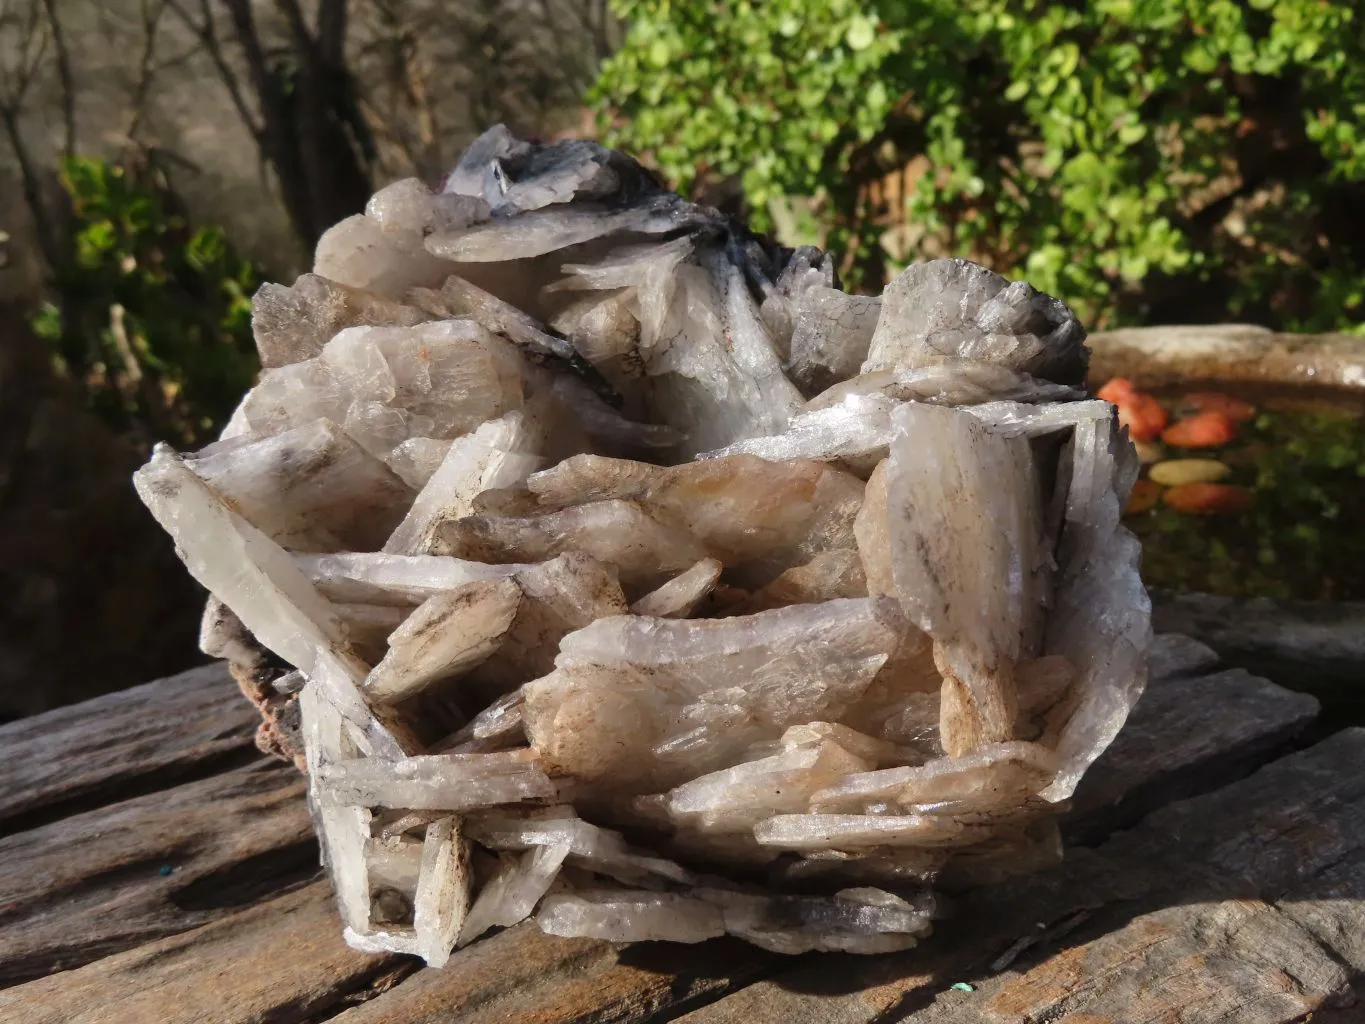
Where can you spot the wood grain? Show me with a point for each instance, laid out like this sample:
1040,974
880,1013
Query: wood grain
116,746
280,962
538,979
1186,736
104,881
1173,656
1235,960
1274,830
1242,904
1212,910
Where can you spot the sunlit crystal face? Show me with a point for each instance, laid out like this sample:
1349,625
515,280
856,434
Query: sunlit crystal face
636,578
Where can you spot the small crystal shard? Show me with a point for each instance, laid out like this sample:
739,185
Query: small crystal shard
746,511
832,334
862,920
679,597
829,575
444,636
442,899
357,253
687,695
736,799
966,560
344,831
381,578
437,782
851,831
293,324
600,850
558,597
511,895
631,916
856,430
311,488
952,309
496,455
628,575
993,776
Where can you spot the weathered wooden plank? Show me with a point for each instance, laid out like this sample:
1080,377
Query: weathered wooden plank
1235,960
525,977
116,746
1295,830
1300,840
1331,906
1277,829
613,989
1315,646
860,990
1186,736
1175,920
487,973
1226,961
279,962
1175,656
100,882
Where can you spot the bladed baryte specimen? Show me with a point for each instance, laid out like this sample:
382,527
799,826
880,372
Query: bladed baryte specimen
627,574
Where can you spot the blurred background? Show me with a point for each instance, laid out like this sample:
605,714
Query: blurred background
1149,161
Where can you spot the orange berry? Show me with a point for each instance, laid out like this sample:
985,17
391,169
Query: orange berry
1143,415
1116,390
1203,430
1208,499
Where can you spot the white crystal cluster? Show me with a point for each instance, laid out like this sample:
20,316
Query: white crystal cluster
627,574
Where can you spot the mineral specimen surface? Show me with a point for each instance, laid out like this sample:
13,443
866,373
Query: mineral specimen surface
622,571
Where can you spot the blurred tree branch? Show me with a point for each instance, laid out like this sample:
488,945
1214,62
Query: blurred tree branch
296,99
332,94
204,28
68,88
26,33
150,13
427,65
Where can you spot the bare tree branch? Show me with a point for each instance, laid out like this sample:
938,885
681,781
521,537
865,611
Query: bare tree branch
206,31
151,12
312,133
179,60
63,58
30,49
298,25
33,34
31,184
331,34
398,101
244,27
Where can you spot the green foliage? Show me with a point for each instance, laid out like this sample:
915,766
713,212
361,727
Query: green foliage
1144,159
153,318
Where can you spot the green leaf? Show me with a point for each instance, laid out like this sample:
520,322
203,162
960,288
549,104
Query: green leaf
47,322
1132,132
1201,57
861,33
